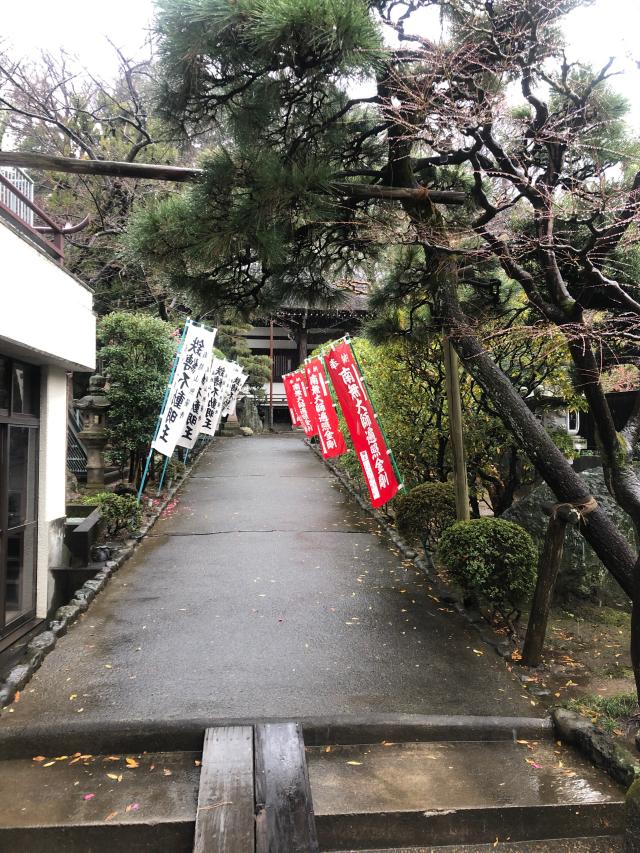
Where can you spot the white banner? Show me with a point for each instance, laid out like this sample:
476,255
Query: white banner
219,381
238,379
193,361
193,421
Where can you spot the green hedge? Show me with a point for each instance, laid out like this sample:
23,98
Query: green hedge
493,559
423,513
119,512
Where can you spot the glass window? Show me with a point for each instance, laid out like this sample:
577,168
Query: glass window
22,476
26,389
5,380
21,562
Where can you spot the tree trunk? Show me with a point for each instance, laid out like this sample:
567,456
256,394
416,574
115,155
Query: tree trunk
600,531
635,628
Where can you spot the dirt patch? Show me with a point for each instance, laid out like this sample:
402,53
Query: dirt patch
587,666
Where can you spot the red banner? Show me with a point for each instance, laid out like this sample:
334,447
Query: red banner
303,403
291,401
369,443
332,441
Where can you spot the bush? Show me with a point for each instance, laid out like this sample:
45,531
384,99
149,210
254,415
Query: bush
423,513
491,558
119,512
136,353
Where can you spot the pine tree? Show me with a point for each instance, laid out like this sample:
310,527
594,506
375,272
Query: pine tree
308,180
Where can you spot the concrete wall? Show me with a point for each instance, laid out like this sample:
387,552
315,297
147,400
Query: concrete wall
44,311
52,480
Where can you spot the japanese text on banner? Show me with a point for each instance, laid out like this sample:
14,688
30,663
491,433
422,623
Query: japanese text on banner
303,403
219,382
332,441
193,421
291,400
193,361
238,378
369,443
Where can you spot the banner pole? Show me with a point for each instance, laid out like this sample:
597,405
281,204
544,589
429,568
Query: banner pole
347,340
162,476
162,408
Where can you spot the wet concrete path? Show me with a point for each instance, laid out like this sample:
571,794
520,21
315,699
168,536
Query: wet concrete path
265,592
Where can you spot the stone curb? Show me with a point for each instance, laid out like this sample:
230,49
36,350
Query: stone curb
447,596
66,615
599,747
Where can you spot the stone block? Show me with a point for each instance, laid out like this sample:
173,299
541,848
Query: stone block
632,819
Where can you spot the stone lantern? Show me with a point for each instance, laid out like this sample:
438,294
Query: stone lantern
94,430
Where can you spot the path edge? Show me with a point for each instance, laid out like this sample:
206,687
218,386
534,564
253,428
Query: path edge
64,617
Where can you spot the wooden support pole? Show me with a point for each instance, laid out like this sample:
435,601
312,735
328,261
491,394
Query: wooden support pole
548,568
452,379
160,172
114,168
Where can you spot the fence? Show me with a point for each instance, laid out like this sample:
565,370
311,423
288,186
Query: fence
24,184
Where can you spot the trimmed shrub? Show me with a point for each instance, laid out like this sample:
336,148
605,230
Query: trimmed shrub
493,559
119,512
423,513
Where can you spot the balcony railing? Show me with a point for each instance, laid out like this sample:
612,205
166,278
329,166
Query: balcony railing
17,205
21,181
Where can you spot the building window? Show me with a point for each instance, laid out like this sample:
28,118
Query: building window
19,410
282,363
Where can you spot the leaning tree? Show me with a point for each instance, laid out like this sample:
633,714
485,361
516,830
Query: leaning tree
485,154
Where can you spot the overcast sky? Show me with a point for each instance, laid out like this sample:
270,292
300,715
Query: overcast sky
605,29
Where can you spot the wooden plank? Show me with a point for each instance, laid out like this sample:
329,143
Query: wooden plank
284,809
225,816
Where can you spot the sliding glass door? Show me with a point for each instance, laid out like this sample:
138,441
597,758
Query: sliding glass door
19,398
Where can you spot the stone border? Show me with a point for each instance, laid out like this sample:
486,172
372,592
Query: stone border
599,747
447,596
66,615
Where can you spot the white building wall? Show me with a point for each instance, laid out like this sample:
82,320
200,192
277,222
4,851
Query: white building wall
52,479
43,309
46,318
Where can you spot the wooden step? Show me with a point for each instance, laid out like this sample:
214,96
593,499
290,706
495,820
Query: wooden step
245,788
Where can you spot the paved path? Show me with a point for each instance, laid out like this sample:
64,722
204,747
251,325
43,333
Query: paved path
267,592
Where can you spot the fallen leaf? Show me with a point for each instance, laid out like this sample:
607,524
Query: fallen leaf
132,807
131,762
39,758
49,764
167,772
355,763
88,796
111,815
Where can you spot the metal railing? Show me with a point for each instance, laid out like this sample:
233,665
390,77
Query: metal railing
17,206
76,456
22,182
